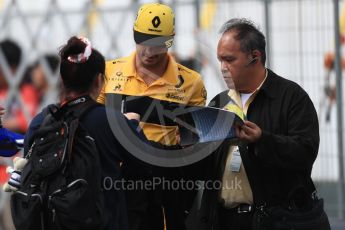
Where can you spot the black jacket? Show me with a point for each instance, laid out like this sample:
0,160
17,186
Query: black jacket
281,161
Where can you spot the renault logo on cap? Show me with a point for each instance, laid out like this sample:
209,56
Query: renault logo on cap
156,21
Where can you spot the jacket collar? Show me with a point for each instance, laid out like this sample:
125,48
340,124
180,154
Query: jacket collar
269,86
236,96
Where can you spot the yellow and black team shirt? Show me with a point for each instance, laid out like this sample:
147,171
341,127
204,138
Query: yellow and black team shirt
178,84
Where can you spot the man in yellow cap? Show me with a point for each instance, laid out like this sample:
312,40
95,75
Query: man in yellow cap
151,72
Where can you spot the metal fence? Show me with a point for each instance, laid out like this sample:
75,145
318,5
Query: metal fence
299,35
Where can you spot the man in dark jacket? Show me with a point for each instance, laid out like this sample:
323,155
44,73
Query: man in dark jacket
278,142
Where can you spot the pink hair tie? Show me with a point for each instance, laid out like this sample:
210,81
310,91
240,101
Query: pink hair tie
82,57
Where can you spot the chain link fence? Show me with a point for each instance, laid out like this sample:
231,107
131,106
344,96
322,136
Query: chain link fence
300,36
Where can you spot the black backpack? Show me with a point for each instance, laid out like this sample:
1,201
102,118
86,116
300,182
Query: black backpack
61,183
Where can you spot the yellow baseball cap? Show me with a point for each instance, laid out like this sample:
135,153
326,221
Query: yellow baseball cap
154,25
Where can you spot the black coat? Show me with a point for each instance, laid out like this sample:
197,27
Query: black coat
280,161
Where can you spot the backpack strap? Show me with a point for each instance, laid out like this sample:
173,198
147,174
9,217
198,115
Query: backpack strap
50,112
73,111
49,116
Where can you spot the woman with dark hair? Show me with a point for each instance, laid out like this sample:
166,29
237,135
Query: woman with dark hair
82,72
40,76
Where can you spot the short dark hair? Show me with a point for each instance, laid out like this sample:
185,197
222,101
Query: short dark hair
249,36
12,52
79,77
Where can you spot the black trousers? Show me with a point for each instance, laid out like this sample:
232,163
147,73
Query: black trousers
152,209
231,219
144,210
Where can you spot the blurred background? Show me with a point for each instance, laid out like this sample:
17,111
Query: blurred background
304,43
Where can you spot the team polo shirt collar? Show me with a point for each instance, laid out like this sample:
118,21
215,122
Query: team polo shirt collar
169,77
129,67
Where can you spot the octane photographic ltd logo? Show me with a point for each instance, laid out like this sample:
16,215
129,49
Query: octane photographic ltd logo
166,115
